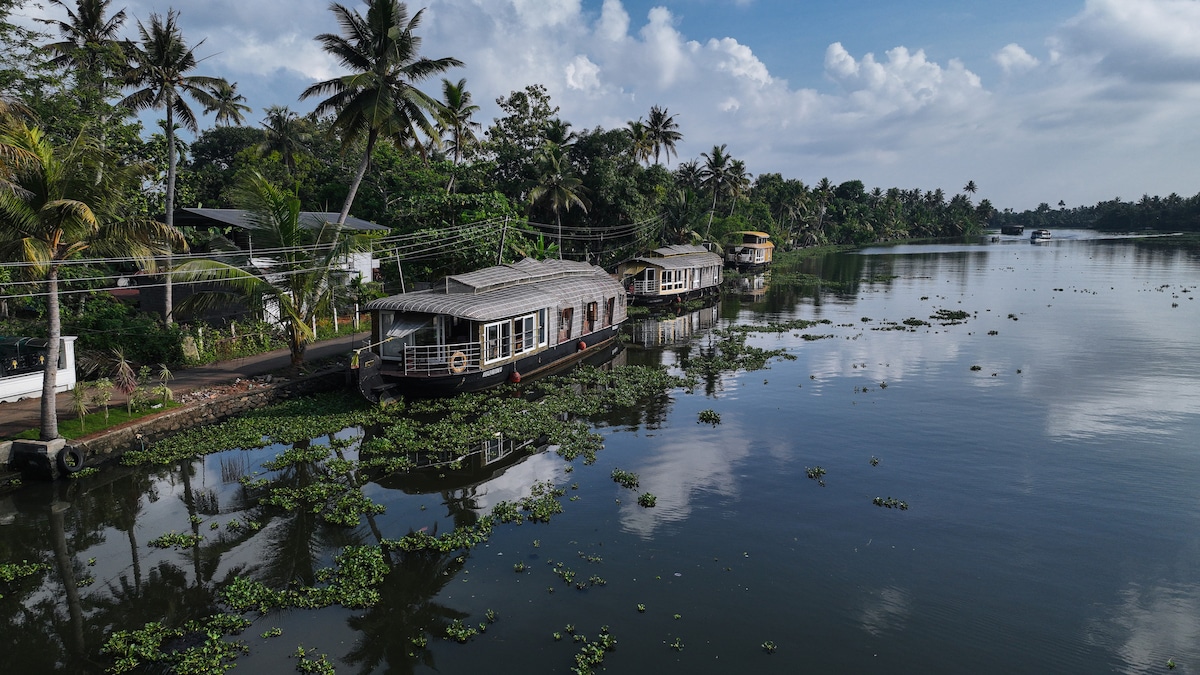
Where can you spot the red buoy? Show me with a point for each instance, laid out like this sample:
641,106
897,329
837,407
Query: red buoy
514,377
582,345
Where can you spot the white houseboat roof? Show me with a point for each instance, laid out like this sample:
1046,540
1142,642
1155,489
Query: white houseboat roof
508,290
697,257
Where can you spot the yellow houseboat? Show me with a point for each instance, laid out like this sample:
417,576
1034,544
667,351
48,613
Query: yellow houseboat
754,252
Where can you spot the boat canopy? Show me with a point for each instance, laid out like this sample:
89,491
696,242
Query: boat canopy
674,262
508,290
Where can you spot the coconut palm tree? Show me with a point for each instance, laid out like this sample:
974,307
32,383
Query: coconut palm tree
159,75
58,207
557,185
227,104
715,176
377,99
739,182
90,46
285,133
639,136
663,132
970,187
299,280
455,117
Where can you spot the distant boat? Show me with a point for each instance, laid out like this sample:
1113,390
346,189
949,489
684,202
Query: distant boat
1012,229
1040,235
671,274
753,253
499,324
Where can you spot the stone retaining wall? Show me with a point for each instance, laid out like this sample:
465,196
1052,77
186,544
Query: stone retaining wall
110,444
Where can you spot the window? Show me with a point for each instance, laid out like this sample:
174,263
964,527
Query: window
566,319
523,334
541,327
497,342
591,317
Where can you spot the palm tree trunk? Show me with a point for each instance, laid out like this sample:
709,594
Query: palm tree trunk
49,425
168,301
372,135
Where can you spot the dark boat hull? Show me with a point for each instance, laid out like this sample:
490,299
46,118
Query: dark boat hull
380,382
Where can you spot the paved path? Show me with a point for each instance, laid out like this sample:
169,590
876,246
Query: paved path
21,415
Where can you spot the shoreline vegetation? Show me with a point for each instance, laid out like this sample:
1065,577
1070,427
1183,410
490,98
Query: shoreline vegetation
452,193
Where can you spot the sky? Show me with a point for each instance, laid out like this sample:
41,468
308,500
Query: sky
1035,101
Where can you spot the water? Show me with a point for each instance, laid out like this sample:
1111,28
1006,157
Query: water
1052,499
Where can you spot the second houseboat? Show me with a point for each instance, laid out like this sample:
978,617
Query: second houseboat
672,274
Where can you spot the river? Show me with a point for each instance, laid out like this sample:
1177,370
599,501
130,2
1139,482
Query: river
1015,490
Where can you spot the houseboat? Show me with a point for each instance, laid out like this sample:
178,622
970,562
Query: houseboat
753,252
1012,229
672,274
23,365
477,330
1039,236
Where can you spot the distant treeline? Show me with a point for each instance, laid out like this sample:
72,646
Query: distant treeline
1167,214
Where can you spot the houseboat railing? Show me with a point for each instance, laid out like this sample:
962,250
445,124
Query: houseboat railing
644,287
442,359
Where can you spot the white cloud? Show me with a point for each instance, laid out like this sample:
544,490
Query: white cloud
1140,40
582,74
1013,59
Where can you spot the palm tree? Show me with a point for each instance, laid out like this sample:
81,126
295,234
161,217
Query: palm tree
739,182
663,132
639,136
559,133
377,98
227,104
58,207
557,185
160,66
456,117
285,133
970,187
90,46
714,175
301,277
688,175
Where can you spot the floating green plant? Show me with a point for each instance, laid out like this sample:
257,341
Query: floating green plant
874,460
769,647
176,540
647,500
641,608
976,367
627,479
890,503
709,417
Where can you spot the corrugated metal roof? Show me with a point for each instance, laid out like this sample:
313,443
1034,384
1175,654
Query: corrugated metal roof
677,262
678,249
509,290
240,218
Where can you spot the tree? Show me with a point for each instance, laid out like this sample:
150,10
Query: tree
301,276
59,207
286,134
159,74
970,187
90,47
377,99
715,176
557,185
227,104
663,132
639,138
455,117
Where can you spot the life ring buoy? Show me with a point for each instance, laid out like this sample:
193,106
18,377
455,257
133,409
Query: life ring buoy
70,459
457,362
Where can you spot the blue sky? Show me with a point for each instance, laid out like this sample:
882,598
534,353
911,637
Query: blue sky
1079,101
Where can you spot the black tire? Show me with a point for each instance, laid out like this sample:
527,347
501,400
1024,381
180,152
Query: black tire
70,459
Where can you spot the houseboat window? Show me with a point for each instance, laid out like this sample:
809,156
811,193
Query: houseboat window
493,450
609,306
497,341
591,317
566,321
523,335
542,327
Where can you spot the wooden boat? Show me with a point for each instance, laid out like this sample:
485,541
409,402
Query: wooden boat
1040,235
1012,229
671,274
753,253
477,330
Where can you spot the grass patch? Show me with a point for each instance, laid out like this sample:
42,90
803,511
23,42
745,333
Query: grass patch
71,429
